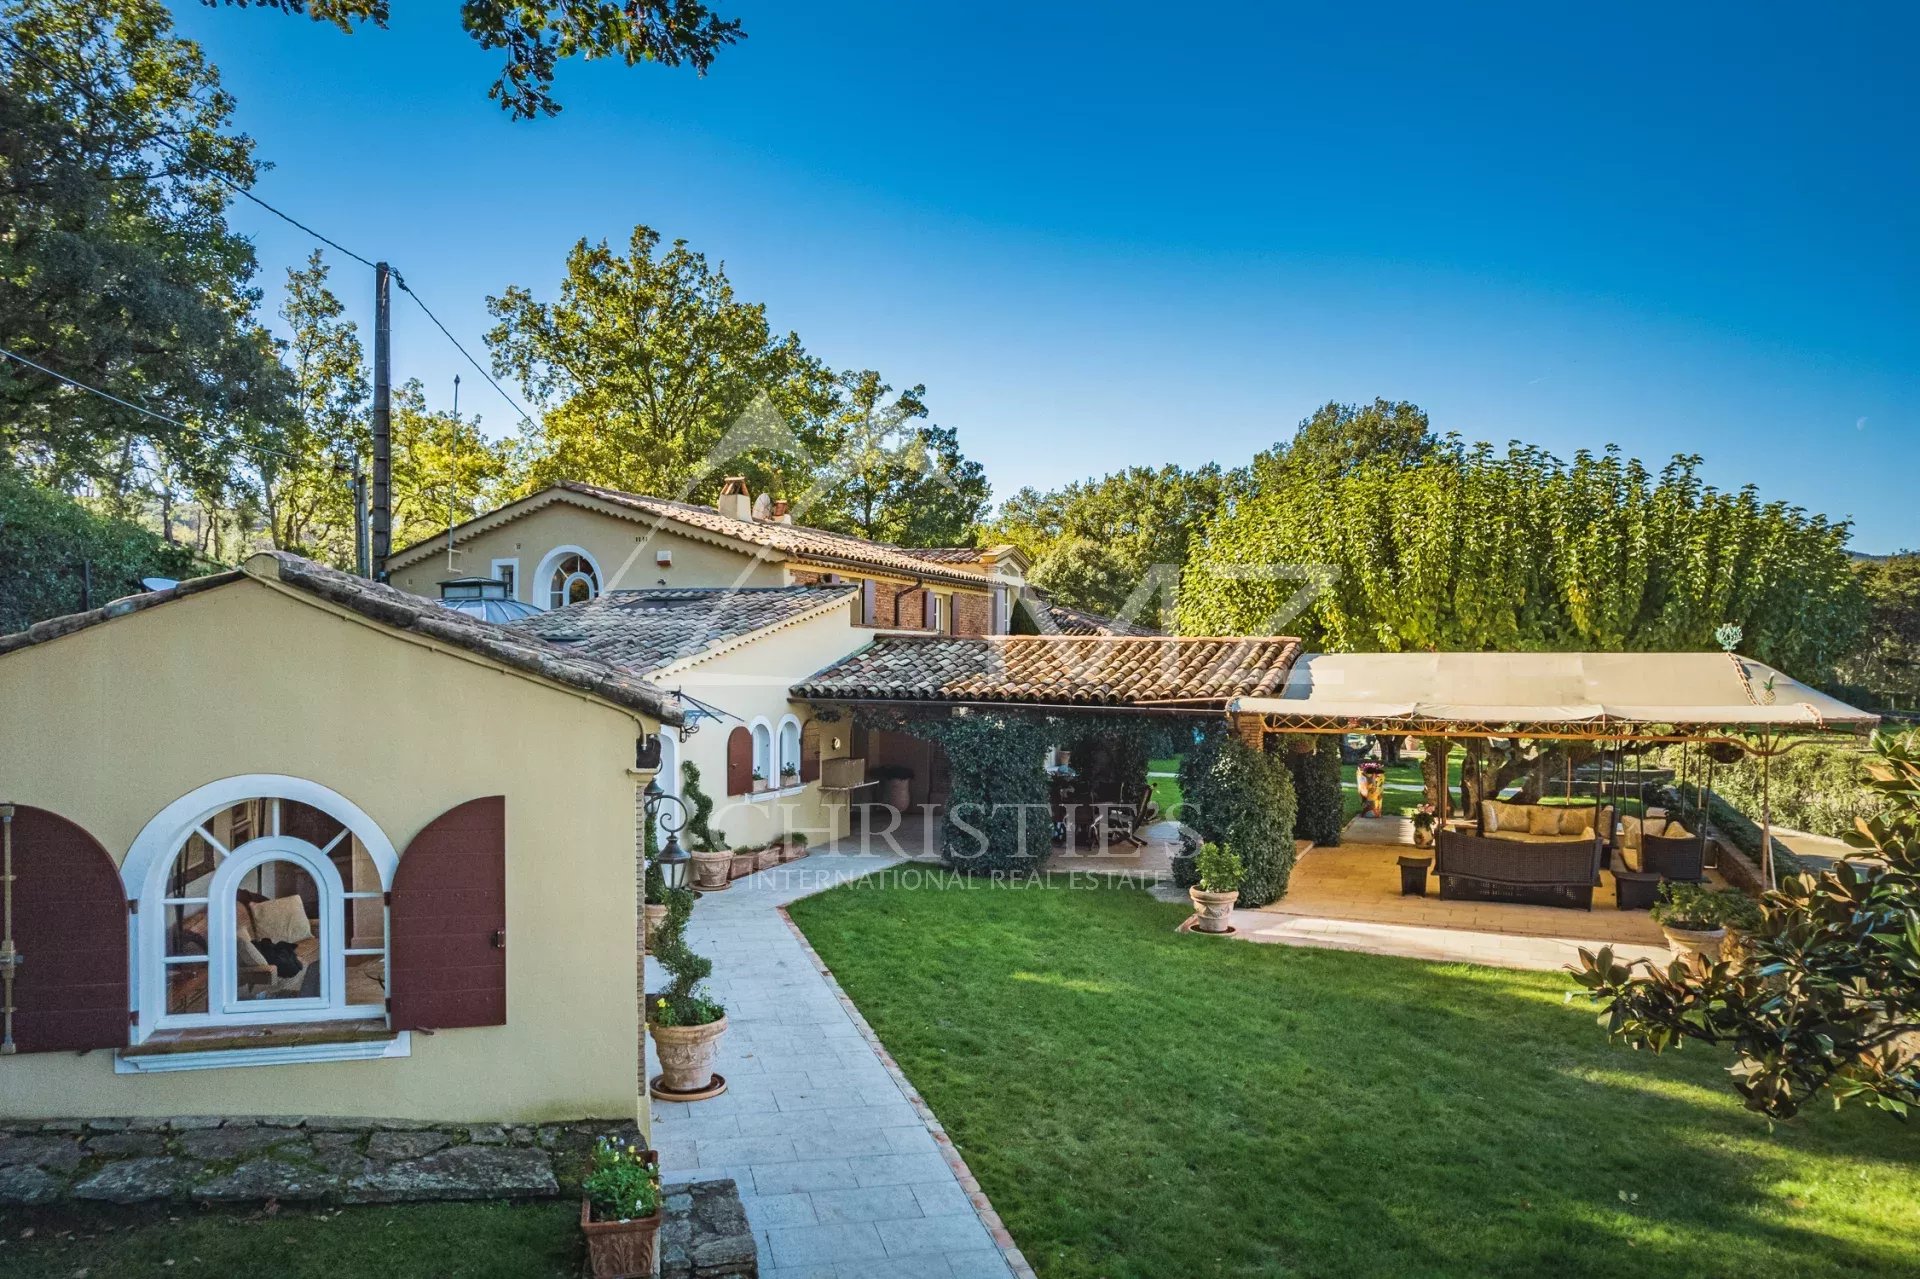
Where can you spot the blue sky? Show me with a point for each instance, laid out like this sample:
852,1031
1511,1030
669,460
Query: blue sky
1106,234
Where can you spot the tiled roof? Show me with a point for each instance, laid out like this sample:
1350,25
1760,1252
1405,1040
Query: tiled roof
789,539
399,610
1057,670
1058,619
647,629
967,557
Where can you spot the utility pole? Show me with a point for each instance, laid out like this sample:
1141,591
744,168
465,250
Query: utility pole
361,544
382,513
453,477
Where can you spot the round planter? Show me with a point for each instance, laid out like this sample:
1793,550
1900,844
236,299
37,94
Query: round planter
711,870
656,920
767,858
1702,944
686,1055
1211,910
743,865
897,793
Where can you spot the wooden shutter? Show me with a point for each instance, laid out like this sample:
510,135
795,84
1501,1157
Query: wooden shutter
740,761
930,610
449,920
869,603
70,928
810,751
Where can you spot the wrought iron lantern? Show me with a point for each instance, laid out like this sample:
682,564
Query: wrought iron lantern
671,814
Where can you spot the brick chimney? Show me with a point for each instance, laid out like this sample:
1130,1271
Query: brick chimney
735,501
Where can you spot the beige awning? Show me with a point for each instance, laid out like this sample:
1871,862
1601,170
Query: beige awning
1584,693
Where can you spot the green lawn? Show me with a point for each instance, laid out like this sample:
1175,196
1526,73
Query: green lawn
1138,1103
474,1241
1166,790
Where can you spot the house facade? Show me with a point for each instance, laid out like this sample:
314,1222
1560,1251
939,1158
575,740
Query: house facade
283,817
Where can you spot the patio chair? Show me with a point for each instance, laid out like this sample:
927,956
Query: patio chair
1682,857
1480,868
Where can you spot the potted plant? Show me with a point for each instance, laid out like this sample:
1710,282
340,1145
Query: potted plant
712,868
1423,825
745,861
1220,871
759,779
1696,918
789,774
656,898
686,1025
620,1211
768,856
793,846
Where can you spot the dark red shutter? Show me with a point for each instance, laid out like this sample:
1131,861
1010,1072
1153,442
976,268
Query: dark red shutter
70,927
740,762
810,752
449,920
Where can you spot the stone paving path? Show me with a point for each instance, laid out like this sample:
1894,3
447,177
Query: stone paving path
842,1175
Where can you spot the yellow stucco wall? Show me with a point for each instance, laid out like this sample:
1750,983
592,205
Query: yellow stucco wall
624,549
126,717
751,682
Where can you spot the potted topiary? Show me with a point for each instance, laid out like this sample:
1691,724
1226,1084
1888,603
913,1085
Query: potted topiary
1220,871
620,1211
712,868
686,1025
1696,918
656,898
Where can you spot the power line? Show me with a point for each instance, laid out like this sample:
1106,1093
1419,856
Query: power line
478,367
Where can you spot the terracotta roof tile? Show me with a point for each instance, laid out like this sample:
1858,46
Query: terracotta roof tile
650,628
1058,670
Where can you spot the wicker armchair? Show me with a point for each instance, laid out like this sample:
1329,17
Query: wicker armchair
1480,868
1680,857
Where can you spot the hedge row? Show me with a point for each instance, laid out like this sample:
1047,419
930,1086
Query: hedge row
57,556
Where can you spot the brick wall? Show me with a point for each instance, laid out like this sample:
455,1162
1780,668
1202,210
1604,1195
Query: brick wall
971,614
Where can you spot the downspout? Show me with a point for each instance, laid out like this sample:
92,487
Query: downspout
9,957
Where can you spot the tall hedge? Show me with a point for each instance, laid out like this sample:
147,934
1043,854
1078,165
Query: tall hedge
51,546
1316,783
1242,798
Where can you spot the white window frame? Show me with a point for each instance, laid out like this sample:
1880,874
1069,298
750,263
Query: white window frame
150,862
543,577
789,733
762,733
512,565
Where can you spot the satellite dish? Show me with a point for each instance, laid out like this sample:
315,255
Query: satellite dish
158,583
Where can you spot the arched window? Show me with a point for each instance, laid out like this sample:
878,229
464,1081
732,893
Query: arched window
763,775
261,899
572,579
789,752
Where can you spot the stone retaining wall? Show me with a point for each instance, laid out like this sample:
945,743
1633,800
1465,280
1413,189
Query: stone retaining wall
214,1160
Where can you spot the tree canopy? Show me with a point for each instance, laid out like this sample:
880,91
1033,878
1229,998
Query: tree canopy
537,34
1468,548
1886,666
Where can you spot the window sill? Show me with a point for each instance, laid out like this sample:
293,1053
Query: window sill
225,1046
762,796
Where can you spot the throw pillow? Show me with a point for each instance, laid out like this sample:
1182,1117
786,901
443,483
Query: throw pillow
1490,814
282,919
1576,821
1543,821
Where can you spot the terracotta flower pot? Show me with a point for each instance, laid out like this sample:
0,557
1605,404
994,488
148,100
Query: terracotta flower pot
712,870
686,1054
1211,910
792,852
656,920
767,858
1699,944
620,1249
743,864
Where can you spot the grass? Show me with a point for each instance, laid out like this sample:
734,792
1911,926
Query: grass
1138,1103
1166,790
469,1240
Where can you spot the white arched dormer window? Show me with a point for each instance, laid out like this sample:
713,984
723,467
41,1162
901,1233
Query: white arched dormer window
788,752
763,770
261,900
568,575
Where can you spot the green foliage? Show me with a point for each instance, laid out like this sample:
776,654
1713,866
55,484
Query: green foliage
1469,549
1218,869
1697,907
622,1182
536,34
886,474
117,265
1338,438
1885,668
1244,799
1825,994
1683,801
1316,785
1815,787
699,827
50,543
1142,519
683,1003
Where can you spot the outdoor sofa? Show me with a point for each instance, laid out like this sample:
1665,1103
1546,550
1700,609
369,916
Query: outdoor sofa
1551,872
